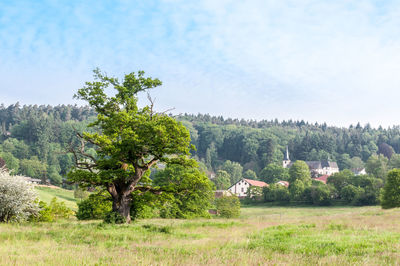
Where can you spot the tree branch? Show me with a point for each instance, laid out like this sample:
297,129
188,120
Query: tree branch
148,189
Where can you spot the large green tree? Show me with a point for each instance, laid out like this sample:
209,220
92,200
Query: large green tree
129,140
273,173
188,192
234,170
377,165
391,191
300,171
222,180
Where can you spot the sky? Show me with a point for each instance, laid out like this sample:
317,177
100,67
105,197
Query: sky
321,61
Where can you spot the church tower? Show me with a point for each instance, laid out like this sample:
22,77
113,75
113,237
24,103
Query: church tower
286,160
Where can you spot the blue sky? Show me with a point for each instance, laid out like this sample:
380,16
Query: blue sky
327,61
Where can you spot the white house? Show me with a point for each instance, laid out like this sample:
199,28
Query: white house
317,168
240,188
359,171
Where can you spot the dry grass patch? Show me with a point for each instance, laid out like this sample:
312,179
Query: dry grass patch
261,236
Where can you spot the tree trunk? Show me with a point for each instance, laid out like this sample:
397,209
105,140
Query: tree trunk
121,195
122,205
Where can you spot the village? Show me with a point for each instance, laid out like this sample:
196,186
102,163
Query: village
319,171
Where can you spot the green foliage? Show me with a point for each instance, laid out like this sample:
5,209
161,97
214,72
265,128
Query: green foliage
318,195
274,173
250,174
341,179
296,190
114,218
54,176
96,206
376,165
146,205
228,206
351,193
81,193
130,139
54,211
33,168
222,180
371,186
234,169
46,131
394,161
12,163
188,192
300,171
391,190
254,193
276,192
45,214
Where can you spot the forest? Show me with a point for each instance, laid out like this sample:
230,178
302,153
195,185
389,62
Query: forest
35,141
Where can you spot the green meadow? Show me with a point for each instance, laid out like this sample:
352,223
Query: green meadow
47,193
262,235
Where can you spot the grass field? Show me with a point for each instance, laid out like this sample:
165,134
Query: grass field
46,194
262,235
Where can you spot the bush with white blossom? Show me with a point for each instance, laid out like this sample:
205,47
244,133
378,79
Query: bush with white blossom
18,199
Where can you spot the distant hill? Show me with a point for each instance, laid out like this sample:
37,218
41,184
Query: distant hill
34,140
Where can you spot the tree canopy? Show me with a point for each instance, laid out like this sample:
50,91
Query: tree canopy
391,190
128,140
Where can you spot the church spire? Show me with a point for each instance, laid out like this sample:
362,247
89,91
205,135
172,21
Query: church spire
287,154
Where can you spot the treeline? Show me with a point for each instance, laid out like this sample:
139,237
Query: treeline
344,188
34,139
256,144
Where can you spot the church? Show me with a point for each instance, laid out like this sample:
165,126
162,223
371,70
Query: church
317,168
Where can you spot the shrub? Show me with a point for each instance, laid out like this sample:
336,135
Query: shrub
228,206
268,193
145,205
254,193
52,212
18,199
296,190
391,191
114,218
276,192
349,193
45,214
80,193
321,195
281,193
188,192
96,206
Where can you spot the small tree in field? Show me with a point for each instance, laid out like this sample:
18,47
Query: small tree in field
130,140
18,199
391,190
228,206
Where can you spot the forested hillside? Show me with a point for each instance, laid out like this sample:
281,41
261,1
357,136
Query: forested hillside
255,144
34,140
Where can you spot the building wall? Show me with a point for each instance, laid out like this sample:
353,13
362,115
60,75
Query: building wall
286,163
326,170
240,188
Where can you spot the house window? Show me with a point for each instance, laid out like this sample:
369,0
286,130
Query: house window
242,189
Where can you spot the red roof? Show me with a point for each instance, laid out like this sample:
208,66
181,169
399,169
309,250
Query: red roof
256,183
323,178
